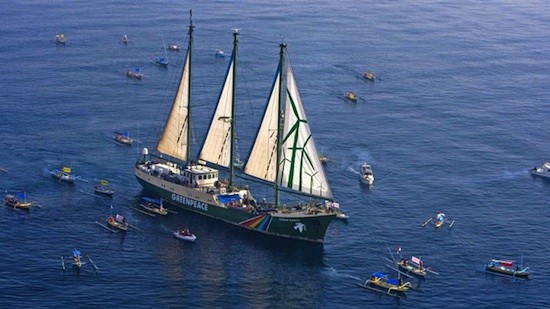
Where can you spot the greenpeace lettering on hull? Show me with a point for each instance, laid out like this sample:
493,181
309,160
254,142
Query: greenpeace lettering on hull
190,202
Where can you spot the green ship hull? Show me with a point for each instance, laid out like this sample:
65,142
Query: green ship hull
309,225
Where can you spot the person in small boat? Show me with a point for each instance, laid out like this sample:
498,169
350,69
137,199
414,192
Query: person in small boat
403,262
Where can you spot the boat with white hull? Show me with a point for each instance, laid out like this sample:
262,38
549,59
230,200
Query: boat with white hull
543,171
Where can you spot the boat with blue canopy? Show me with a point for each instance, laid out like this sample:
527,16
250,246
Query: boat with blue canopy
381,282
154,206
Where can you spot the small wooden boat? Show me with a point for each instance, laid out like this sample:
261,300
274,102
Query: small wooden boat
173,47
219,53
414,266
161,61
368,76
324,159
118,222
439,220
123,138
17,201
60,39
381,282
135,74
507,268
77,259
63,175
101,188
185,234
351,96
154,206
366,174
125,39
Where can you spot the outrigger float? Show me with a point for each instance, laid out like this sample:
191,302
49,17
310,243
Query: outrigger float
508,269
78,261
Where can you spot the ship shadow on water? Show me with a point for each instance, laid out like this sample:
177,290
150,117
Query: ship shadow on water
209,229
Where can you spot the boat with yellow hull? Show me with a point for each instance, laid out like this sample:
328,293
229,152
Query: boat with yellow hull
16,202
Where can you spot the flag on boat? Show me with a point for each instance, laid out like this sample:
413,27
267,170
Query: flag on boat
22,196
416,260
119,218
66,169
507,263
103,182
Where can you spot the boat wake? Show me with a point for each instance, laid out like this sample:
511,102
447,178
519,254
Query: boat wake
331,271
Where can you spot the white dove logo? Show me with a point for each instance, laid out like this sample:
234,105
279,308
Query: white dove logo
300,227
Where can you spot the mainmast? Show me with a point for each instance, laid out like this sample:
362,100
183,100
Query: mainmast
280,120
234,95
190,50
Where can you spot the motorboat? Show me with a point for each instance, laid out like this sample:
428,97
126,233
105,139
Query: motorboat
185,234
173,47
60,39
351,96
219,53
368,76
135,74
366,174
507,268
543,171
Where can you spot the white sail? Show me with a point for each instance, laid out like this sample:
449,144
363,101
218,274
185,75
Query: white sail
173,140
261,162
301,168
217,145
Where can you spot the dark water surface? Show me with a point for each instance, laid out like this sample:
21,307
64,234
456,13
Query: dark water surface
458,116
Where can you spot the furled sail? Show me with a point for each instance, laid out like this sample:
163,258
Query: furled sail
301,167
261,162
173,140
217,145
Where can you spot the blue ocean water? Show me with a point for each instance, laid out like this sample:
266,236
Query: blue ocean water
458,116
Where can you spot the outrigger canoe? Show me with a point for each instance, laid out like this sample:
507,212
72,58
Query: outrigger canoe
415,266
154,206
15,202
118,222
381,282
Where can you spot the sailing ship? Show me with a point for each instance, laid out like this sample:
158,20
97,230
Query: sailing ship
283,154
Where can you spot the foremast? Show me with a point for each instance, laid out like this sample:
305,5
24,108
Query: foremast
176,135
233,100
